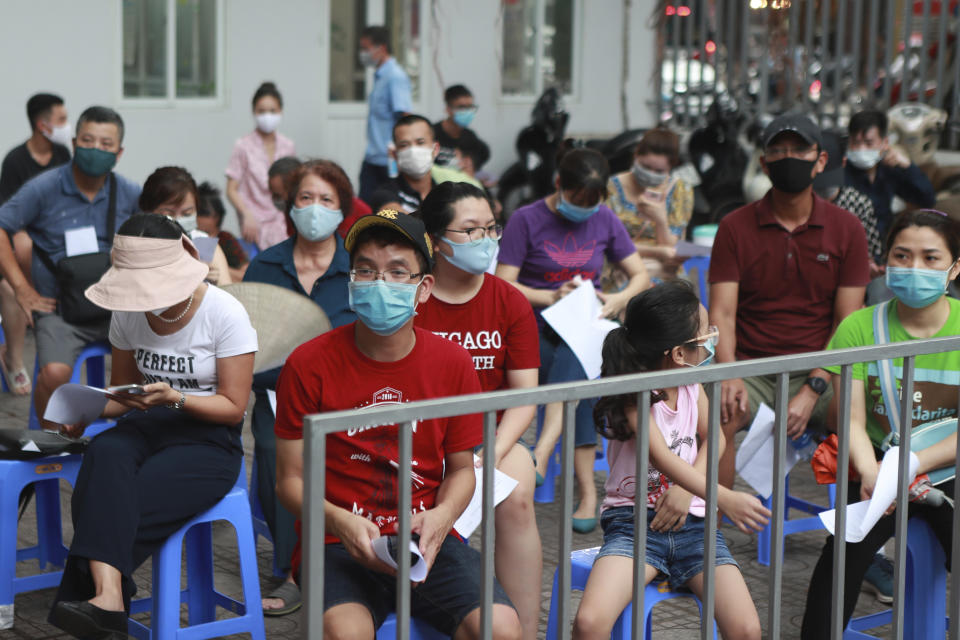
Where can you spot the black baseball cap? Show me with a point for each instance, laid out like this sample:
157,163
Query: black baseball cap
832,175
799,124
412,228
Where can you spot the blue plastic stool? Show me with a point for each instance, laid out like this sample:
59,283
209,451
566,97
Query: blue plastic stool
201,596
925,610
581,562
93,356
796,525
419,630
44,474
260,527
702,265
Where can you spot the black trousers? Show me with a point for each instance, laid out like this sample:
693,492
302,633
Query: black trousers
139,482
816,618
279,520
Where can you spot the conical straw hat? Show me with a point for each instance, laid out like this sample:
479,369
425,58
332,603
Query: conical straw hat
284,320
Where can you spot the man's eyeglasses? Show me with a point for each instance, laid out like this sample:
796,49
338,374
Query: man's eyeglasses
397,274
476,234
711,336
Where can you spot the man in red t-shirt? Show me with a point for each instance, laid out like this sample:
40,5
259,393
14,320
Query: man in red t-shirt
784,271
494,322
383,359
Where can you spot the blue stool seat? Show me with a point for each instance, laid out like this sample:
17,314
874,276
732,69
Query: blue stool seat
200,595
702,265
44,474
419,630
925,609
795,525
93,356
581,562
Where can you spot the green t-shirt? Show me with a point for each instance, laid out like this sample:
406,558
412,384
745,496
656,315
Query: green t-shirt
936,376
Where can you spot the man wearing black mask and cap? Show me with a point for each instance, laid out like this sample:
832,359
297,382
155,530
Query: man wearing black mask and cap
784,271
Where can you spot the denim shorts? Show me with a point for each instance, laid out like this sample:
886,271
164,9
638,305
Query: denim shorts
451,591
676,554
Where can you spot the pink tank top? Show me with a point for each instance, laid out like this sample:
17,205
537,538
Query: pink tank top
679,429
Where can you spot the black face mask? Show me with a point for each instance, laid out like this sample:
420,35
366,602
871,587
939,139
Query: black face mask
791,175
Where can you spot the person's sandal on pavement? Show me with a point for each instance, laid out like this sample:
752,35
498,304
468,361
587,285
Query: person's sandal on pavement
289,594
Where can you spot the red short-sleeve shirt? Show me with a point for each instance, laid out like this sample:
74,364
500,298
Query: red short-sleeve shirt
497,327
329,373
788,280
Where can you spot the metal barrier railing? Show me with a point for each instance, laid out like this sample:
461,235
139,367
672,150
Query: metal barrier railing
316,427
832,57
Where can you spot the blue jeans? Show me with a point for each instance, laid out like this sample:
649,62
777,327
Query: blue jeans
559,364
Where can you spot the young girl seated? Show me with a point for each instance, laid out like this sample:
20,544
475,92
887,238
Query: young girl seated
665,328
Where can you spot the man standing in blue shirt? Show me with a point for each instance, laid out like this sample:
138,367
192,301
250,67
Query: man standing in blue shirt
71,199
389,100
880,172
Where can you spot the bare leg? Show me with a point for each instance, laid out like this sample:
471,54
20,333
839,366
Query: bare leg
583,460
549,434
506,626
106,581
51,376
350,621
736,616
609,590
14,330
519,556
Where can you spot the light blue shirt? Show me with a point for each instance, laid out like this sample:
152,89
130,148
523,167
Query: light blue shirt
389,98
51,204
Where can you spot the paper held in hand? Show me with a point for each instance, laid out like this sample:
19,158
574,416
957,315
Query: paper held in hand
75,404
471,517
576,319
755,455
861,516
418,569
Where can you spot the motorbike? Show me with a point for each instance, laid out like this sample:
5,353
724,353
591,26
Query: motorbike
720,160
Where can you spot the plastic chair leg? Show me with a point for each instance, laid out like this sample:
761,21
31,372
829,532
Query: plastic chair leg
200,602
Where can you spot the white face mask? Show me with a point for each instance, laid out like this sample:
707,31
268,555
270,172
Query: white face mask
864,158
415,161
189,223
268,122
366,58
62,135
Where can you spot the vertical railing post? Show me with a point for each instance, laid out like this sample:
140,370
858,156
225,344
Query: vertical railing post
903,489
710,514
840,520
954,608
943,52
789,64
824,56
639,622
924,28
839,77
779,503
566,516
314,525
873,20
888,56
809,29
404,500
487,530
857,24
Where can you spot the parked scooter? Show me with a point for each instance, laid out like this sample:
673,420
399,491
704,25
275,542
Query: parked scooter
720,160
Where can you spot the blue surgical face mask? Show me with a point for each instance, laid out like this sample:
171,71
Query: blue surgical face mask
711,352
315,221
463,117
383,307
94,162
472,257
917,288
573,213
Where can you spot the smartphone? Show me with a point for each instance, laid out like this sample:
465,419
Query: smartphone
134,389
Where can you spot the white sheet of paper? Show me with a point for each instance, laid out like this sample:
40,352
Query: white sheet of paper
205,247
755,455
689,250
861,516
471,517
576,319
418,570
30,446
75,404
272,397
80,241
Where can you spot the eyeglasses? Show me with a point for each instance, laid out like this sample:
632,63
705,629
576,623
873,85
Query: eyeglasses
711,336
397,274
792,152
476,234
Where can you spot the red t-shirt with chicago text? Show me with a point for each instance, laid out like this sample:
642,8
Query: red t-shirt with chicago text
329,373
496,327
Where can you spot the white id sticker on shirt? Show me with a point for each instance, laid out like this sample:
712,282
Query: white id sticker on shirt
80,241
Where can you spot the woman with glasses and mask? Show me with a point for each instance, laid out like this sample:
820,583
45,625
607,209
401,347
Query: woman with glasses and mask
314,263
548,248
654,205
495,324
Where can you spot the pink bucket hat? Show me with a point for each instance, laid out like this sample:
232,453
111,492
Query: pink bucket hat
148,274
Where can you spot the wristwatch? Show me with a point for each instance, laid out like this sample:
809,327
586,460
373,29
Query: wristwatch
179,403
819,385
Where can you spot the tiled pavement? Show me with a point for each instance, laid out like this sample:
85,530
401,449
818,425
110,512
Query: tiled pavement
674,620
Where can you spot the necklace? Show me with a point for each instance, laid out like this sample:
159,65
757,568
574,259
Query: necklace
182,314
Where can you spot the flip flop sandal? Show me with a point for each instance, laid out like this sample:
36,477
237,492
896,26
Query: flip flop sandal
289,593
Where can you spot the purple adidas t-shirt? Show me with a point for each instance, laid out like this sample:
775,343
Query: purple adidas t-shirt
549,249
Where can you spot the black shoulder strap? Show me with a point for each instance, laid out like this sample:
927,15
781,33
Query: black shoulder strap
111,208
